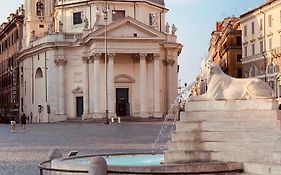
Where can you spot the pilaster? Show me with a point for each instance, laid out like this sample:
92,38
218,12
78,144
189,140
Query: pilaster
156,87
111,87
61,98
97,110
143,79
85,87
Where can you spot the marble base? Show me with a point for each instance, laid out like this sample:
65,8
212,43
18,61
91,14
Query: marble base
98,115
86,116
232,105
158,115
236,130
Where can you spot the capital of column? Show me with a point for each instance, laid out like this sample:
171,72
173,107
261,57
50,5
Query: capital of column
60,62
85,59
95,57
156,56
142,56
169,62
111,56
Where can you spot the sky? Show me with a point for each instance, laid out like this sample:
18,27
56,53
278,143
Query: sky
195,20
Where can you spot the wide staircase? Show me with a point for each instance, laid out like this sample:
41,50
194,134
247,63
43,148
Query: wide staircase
222,134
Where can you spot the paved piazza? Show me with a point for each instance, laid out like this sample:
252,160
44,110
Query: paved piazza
20,153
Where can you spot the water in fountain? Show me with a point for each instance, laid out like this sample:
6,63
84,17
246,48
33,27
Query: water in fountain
168,126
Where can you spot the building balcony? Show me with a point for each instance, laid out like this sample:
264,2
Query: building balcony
57,37
256,57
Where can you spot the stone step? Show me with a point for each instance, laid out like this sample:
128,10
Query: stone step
246,155
227,147
262,169
226,126
265,115
187,156
249,136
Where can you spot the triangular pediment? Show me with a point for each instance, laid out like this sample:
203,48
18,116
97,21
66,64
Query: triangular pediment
127,28
77,90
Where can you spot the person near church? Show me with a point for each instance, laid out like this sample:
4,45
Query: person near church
13,122
23,122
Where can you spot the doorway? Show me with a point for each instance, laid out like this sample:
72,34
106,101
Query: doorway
122,102
79,107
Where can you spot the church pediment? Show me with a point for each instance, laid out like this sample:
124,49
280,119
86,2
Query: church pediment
127,28
77,90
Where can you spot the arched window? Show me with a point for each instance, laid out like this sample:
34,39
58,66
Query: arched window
253,71
39,73
40,8
271,68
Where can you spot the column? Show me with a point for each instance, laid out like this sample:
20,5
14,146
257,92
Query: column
97,111
143,94
111,86
91,86
61,63
156,88
85,87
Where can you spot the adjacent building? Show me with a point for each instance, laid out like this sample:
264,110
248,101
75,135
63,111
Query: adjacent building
11,35
261,41
225,46
81,58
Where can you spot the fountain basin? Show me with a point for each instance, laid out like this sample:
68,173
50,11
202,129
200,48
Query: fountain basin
144,164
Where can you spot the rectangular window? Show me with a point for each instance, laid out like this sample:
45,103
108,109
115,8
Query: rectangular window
151,16
118,14
77,18
239,58
261,24
272,84
245,51
253,49
253,28
245,30
269,21
238,40
261,46
270,43
280,16
239,73
279,91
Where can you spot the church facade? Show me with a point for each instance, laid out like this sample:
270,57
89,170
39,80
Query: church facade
81,58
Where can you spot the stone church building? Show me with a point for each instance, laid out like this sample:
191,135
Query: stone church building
83,57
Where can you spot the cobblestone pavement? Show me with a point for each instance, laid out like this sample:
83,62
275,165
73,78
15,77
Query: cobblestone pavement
20,153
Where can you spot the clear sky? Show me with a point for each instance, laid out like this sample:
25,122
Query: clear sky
195,20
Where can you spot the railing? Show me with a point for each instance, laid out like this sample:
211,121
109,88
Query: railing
46,165
72,36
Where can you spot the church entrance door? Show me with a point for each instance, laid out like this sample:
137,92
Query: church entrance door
122,102
79,107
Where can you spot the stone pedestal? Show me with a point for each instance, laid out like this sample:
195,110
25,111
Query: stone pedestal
236,131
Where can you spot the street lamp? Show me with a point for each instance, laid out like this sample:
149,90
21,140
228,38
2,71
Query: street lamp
105,12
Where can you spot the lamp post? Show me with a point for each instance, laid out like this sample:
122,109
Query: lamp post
105,13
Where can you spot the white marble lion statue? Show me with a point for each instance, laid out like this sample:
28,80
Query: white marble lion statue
223,87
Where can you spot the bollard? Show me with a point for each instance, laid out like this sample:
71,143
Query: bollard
98,166
119,120
55,154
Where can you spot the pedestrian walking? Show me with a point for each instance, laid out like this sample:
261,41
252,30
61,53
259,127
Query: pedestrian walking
13,123
23,122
